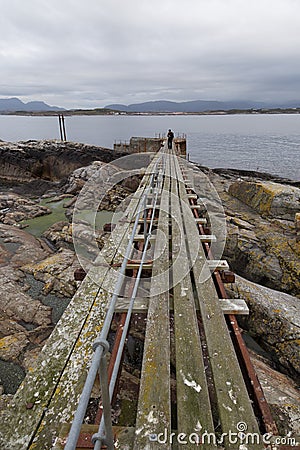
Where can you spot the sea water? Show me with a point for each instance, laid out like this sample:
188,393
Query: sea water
262,142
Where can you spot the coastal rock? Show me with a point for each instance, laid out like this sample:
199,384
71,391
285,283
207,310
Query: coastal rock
274,319
78,177
8,326
105,185
25,322
16,305
262,249
19,247
12,346
56,272
39,335
48,160
267,253
297,226
59,234
14,208
282,395
245,255
19,312
34,168
268,198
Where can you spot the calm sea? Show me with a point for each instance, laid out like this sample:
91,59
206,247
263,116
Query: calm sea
267,143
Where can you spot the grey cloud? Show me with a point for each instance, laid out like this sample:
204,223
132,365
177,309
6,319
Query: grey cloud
76,53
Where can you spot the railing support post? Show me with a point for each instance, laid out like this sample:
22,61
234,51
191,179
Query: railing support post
107,438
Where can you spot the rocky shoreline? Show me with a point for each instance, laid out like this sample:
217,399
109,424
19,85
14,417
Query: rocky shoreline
37,272
262,247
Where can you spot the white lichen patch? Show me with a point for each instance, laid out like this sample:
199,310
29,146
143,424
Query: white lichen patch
183,292
151,419
198,426
227,407
117,444
190,383
231,396
139,430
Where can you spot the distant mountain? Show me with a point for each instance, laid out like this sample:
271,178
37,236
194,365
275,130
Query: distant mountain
15,104
196,106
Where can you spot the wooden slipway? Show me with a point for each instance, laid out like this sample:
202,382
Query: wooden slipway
211,395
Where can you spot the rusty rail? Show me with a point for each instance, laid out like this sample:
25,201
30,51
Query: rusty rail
268,424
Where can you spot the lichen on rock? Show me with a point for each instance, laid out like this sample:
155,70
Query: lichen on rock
274,319
261,247
268,198
56,272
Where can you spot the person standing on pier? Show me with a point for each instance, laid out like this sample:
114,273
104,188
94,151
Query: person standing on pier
170,137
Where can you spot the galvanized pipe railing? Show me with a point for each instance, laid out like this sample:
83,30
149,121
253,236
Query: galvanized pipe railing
99,350
101,437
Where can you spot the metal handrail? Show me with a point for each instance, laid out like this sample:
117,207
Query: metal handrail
99,347
101,437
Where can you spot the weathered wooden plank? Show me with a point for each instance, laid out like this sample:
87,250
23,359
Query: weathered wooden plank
131,265
140,305
200,220
234,306
150,206
147,220
193,405
217,264
192,196
228,306
141,237
154,406
207,238
234,405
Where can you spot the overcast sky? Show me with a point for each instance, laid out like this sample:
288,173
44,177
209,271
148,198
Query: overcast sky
90,53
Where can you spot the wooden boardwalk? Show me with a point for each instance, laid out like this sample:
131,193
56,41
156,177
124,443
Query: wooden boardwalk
185,323
194,410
